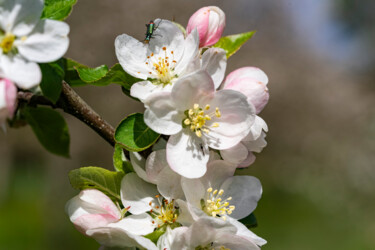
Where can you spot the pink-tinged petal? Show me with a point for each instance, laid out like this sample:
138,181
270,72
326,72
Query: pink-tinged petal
200,21
245,192
250,159
252,82
161,114
90,221
155,163
187,154
117,237
246,72
131,54
237,117
214,61
136,194
100,200
210,23
235,154
216,26
190,89
10,97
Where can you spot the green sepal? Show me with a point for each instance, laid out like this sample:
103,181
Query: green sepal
231,44
250,221
57,9
50,128
108,182
120,163
134,135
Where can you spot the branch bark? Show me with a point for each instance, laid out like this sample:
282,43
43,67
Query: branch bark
70,102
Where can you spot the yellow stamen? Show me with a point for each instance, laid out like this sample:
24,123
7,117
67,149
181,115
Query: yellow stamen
7,42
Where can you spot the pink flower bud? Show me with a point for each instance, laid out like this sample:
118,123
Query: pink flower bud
252,82
8,99
210,23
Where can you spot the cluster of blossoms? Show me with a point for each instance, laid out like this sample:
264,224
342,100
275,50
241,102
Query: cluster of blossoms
25,41
185,190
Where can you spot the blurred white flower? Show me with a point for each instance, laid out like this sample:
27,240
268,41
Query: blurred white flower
25,40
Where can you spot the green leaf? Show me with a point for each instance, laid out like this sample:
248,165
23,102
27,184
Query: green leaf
57,9
120,162
231,44
50,128
101,76
155,235
109,182
52,76
71,74
250,221
134,135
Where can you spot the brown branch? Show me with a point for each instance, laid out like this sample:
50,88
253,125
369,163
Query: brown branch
70,102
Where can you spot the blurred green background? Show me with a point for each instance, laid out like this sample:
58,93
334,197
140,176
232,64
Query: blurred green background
318,170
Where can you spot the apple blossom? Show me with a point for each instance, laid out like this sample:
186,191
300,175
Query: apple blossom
94,214
8,100
252,82
204,234
197,118
210,23
25,40
160,62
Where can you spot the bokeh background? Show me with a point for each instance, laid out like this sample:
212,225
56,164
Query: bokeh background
318,170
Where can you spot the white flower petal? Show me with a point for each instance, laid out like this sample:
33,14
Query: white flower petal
155,163
142,90
245,192
24,74
136,224
256,129
185,216
168,35
131,54
237,117
194,190
161,114
117,237
247,72
214,60
235,154
100,200
139,165
190,53
169,182
187,155
46,43
20,16
243,231
257,145
234,242
217,172
189,89
137,194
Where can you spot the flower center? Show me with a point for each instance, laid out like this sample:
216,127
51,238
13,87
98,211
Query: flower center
196,118
162,67
7,42
214,205
165,212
